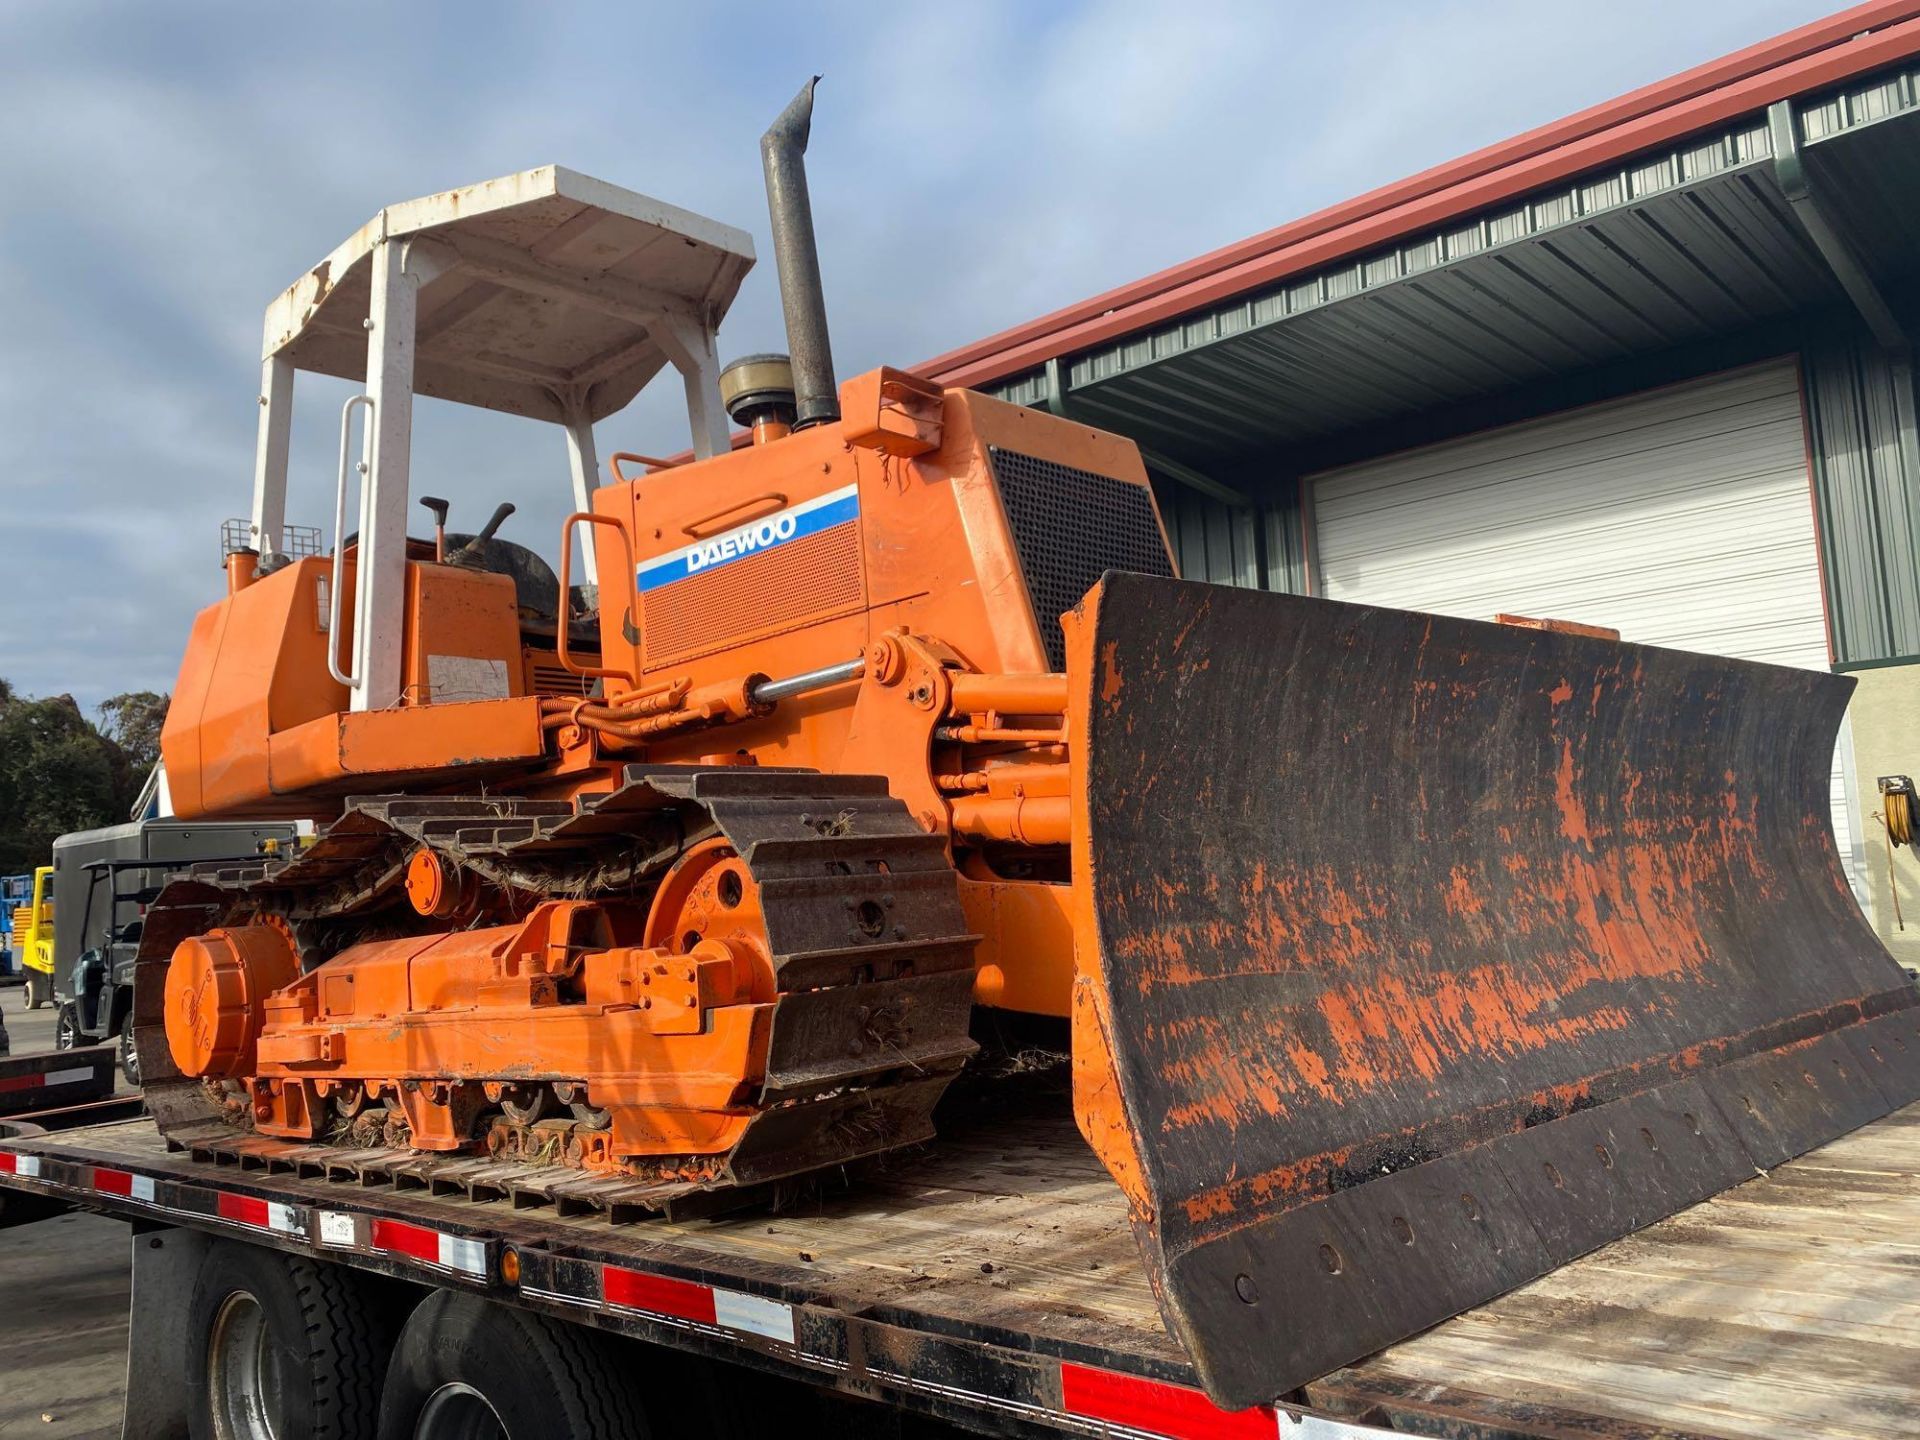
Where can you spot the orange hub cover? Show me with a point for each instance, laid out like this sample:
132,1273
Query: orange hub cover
216,988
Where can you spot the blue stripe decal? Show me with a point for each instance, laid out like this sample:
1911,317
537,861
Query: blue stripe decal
769,532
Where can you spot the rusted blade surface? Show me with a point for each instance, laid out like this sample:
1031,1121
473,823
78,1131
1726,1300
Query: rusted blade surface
1429,954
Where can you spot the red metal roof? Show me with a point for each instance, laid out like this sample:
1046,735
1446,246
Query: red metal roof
1827,52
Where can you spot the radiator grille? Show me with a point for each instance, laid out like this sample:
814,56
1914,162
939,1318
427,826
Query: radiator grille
550,677
812,578
1071,526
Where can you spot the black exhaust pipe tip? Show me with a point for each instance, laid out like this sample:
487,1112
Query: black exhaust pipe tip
796,256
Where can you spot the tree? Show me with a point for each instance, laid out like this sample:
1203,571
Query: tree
132,721
57,773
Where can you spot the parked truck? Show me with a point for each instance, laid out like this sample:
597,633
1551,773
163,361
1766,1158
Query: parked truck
1280,979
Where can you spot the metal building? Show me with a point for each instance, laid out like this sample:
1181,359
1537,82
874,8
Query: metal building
1648,367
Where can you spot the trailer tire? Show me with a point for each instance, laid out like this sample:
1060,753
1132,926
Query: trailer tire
460,1357
264,1324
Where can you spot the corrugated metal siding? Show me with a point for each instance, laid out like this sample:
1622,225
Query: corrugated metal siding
1673,247
1643,261
1869,499
1258,548
1211,541
1865,167
1668,249
1673,254
1287,540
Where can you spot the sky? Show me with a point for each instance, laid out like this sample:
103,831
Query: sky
166,169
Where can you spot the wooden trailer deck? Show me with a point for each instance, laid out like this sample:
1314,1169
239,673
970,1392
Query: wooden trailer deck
1788,1306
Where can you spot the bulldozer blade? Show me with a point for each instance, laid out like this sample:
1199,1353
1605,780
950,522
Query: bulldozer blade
1417,956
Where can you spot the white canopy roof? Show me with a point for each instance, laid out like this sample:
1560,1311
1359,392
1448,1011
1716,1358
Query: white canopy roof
554,285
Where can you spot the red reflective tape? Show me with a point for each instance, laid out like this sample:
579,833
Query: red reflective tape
415,1240
1158,1408
681,1298
245,1208
9,1162
29,1081
112,1182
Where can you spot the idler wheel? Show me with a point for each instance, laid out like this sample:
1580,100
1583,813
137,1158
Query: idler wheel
216,993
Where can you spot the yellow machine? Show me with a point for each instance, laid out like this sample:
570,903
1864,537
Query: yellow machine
33,940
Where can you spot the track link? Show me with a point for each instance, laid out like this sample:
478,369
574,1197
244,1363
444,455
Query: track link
873,961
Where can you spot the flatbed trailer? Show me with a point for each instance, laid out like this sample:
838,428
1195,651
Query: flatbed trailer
992,1282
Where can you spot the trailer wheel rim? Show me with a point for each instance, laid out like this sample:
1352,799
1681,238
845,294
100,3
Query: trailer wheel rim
458,1412
239,1372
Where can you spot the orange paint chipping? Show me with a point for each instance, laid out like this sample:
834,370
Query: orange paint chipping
1110,681
1573,811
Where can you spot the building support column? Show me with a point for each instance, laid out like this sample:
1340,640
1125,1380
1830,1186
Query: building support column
1850,269
1867,733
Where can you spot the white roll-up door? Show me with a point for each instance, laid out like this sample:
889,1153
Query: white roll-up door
1680,517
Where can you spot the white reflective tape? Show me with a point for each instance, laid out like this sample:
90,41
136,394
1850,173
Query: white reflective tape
466,1256
69,1076
141,1188
282,1219
337,1229
28,1165
1315,1427
753,1315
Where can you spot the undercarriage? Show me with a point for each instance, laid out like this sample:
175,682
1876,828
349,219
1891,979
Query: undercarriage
741,974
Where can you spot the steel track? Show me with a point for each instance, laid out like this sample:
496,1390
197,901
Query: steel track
873,960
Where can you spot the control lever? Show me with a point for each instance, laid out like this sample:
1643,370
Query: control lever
439,508
472,547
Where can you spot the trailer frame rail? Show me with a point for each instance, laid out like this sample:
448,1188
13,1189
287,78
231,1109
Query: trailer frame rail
626,1288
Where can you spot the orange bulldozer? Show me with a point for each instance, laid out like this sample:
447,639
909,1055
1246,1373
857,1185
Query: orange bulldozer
1399,958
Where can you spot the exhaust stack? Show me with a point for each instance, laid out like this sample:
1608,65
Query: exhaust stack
797,257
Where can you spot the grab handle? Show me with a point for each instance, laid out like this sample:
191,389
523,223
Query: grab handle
346,677
621,478
566,590
759,505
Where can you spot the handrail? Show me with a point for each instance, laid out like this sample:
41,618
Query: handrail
346,678
566,589
613,464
